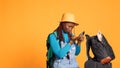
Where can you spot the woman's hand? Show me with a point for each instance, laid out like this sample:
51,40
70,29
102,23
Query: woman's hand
80,39
73,39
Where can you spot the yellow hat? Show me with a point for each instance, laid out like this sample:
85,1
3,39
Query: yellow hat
68,17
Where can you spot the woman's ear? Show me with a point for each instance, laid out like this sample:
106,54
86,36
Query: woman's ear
99,36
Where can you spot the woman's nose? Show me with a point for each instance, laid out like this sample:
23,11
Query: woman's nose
71,29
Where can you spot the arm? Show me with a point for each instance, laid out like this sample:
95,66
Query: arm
57,50
78,45
78,49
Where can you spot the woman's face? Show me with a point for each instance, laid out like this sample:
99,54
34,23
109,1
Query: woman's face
67,27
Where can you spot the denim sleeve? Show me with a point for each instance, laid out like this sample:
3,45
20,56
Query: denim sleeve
55,46
78,49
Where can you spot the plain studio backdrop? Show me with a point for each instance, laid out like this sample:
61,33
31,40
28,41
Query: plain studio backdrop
25,25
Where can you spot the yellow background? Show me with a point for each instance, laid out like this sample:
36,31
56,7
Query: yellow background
25,24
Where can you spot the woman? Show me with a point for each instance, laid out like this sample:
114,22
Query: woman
64,46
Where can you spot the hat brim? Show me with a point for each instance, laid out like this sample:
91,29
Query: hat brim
70,22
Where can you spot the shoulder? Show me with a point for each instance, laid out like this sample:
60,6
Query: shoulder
53,35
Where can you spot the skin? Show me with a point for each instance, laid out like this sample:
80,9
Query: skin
68,27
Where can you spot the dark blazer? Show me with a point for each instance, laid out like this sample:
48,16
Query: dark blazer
100,50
